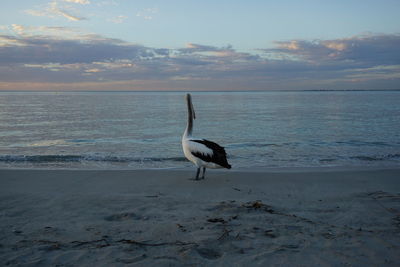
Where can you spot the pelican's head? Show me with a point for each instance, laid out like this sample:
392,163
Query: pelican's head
190,105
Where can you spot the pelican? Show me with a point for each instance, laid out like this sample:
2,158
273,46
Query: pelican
203,153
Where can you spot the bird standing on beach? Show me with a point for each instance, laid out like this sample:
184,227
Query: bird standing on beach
203,153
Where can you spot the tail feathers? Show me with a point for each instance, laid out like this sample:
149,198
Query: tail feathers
227,165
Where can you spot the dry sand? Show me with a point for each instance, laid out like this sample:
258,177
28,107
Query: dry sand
153,218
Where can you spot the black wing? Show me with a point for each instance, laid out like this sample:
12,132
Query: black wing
218,156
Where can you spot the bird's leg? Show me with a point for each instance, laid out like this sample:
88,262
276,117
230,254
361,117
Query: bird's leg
204,172
197,174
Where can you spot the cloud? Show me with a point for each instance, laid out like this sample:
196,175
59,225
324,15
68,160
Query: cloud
49,32
118,19
82,2
19,29
107,3
69,57
195,48
367,50
70,16
206,54
56,9
147,13
38,50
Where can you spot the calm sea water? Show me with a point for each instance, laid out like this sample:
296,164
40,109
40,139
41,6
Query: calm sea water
136,130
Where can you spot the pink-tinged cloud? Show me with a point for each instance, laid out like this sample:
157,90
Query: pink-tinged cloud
56,9
358,49
82,2
79,61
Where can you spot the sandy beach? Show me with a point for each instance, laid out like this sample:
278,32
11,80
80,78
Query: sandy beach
232,218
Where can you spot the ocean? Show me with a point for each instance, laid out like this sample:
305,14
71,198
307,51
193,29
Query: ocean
142,130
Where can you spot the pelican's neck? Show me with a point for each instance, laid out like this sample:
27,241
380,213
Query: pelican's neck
189,126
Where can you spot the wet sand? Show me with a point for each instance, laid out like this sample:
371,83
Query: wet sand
162,217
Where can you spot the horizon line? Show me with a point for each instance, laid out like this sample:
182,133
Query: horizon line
203,91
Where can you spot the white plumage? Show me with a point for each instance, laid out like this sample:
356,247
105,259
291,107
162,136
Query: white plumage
203,153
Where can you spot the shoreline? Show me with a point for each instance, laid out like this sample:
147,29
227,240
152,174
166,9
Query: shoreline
164,217
235,170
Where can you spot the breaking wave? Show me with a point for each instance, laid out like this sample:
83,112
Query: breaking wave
81,158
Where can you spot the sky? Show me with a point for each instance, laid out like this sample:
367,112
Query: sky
199,45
